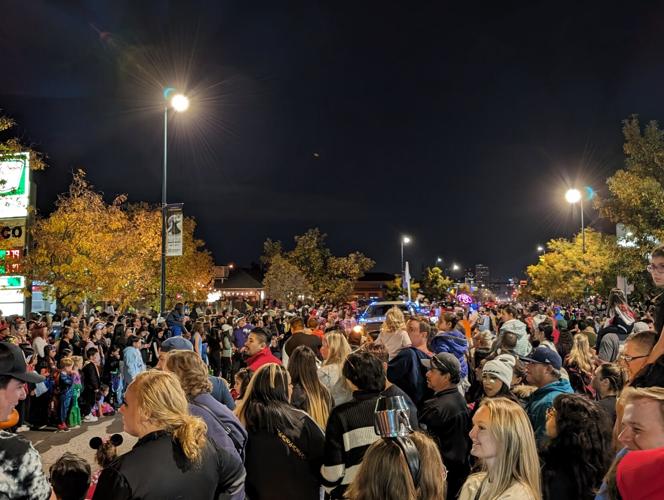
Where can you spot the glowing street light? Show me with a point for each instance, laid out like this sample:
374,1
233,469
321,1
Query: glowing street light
540,248
405,240
179,103
573,196
455,267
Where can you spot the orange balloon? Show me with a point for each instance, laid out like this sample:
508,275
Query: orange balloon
11,421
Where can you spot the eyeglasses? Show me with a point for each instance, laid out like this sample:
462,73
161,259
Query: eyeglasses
629,359
655,269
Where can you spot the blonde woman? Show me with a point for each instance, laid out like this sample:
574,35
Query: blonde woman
580,364
173,457
393,334
384,473
334,351
504,442
223,426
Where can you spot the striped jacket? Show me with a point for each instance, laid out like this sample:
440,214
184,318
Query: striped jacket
349,432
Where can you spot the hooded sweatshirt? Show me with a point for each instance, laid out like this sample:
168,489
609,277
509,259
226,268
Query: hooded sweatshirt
455,343
517,327
540,401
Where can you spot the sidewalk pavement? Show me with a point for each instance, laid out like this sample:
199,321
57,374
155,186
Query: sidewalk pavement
51,444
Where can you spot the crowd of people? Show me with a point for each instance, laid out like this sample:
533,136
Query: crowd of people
509,401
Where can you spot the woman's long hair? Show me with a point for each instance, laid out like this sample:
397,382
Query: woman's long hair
161,399
384,473
580,355
582,446
190,370
394,321
302,369
265,405
516,459
338,348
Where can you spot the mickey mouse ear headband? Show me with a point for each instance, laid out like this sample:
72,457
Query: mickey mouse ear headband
392,423
96,442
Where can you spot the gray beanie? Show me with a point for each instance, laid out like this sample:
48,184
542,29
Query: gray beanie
502,371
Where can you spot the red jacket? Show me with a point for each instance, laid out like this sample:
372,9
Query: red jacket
262,357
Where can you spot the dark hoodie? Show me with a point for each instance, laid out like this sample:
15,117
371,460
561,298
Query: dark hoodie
455,343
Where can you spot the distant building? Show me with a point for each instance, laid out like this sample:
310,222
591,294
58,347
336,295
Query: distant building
239,284
372,285
482,274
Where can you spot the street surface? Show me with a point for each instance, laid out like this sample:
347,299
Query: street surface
51,444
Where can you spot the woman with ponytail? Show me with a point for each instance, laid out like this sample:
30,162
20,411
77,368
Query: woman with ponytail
173,457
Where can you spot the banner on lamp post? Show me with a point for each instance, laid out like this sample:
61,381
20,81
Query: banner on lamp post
174,229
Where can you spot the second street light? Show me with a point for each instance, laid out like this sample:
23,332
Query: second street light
179,103
404,241
574,196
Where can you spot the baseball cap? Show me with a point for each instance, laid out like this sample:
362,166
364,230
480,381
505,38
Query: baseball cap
544,355
174,343
445,362
12,364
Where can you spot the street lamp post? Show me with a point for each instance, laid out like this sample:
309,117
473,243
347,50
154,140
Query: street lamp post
179,103
574,196
404,241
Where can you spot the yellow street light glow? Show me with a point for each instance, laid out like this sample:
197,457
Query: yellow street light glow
180,102
573,195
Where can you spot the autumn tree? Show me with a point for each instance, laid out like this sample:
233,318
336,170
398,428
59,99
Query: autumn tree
636,198
396,291
13,145
435,284
331,278
87,249
189,275
77,248
284,281
564,273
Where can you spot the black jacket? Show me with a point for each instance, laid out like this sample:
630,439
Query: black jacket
286,464
446,418
406,371
91,383
659,313
156,468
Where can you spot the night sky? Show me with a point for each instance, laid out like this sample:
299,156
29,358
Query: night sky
459,125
